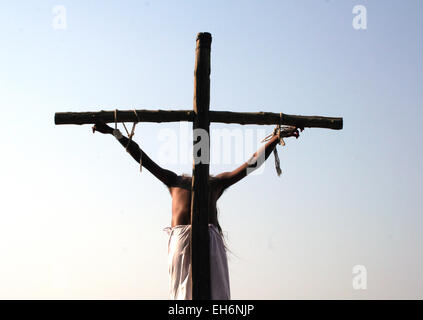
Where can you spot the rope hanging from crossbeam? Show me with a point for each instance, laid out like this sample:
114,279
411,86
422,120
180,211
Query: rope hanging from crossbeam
281,132
130,134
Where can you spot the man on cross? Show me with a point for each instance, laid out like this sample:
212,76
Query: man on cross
179,233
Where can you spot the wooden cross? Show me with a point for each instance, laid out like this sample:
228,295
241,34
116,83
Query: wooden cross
201,117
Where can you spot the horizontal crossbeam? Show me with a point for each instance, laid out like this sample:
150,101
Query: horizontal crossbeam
260,118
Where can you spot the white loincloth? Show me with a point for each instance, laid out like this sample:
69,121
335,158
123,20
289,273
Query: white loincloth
179,261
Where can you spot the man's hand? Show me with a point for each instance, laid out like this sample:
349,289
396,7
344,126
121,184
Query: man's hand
102,127
290,132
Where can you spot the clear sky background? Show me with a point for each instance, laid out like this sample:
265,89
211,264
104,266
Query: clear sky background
78,220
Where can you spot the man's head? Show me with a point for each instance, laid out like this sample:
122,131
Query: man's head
188,176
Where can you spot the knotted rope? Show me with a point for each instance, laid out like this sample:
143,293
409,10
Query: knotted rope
281,132
130,134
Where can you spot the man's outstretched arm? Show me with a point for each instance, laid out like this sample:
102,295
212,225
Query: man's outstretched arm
226,179
166,176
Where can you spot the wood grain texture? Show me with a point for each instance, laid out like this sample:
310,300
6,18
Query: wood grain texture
259,118
200,256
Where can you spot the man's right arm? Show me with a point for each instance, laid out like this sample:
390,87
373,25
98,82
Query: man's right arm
226,179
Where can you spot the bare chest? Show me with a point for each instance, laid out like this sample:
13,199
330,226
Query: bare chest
181,206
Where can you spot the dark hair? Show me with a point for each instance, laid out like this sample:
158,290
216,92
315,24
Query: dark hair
219,228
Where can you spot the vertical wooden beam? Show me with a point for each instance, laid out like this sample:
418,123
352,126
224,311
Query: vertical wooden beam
200,256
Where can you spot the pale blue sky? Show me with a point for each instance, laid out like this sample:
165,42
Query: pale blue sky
79,221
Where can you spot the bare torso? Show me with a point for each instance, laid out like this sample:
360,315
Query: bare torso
180,185
181,201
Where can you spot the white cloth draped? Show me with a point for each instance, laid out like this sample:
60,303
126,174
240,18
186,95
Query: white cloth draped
179,261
